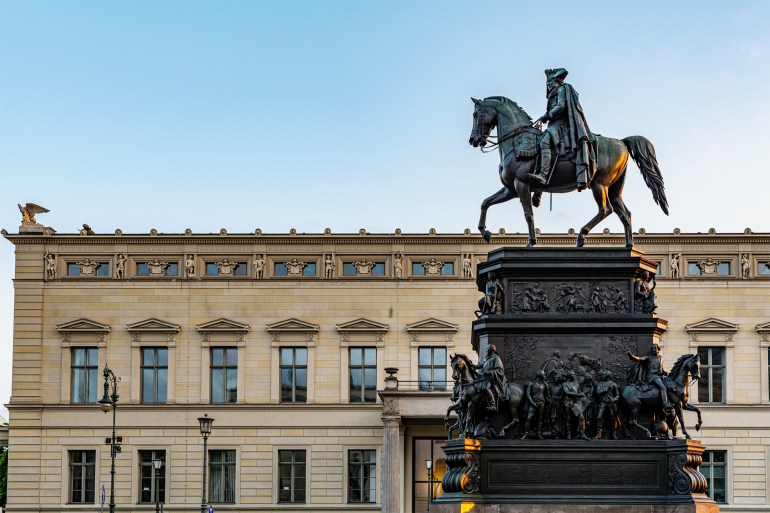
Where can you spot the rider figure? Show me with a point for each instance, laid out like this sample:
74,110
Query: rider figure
492,379
650,371
567,129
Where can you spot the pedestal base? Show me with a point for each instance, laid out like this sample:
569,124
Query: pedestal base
470,507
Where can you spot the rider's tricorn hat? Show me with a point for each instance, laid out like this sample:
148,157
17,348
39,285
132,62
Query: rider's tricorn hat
556,74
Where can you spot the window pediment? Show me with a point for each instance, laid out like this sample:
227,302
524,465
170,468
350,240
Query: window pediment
712,325
723,330
152,325
362,326
292,326
222,326
83,326
432,324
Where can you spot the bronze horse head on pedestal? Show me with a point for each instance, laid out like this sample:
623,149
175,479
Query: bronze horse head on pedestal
607,185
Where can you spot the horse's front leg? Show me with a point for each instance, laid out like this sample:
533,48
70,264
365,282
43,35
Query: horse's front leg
692,407
500,196
522,190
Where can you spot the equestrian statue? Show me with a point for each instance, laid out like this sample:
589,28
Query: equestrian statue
565,157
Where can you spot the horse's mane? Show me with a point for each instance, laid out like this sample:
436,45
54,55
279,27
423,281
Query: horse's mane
468,364
679,364
509,103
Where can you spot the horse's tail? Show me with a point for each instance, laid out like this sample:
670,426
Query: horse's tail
643,153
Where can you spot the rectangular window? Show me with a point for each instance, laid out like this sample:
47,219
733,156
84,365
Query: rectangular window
172,269
152,487
377,269
291,476
718,269
711,386
154,375
363,374
85,374
280,269
432,368
229,269
763,268
447,269
224,375
714,467
222,476
362,467
293,375
82,477
101,269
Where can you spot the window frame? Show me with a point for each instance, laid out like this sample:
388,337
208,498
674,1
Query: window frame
85,368
373,468
161,481
225,465
431,384
155,368
228,397
708,367
306,478
70,475
363,367
293,367
708,473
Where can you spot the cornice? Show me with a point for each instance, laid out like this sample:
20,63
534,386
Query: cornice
642,240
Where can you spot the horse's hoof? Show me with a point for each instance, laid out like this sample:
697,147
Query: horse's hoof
531,243
698,425
580,242
487,236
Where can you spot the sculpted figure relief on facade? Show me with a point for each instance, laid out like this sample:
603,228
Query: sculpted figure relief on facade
708,266
189,266
226,267
259,267
88,267
364,267
120,266
674,265
328,267
295,267
467,267
433,267
745,266
158,268
50,266
398,265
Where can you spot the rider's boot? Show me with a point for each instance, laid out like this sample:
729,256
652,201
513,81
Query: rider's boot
540,176
581,180
664,399
491,401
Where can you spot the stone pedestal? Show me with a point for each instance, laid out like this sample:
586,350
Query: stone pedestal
573,476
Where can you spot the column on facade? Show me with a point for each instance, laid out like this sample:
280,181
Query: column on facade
391,464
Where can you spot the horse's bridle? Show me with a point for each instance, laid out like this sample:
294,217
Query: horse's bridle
500,139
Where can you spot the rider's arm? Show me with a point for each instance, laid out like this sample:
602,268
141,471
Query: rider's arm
634,357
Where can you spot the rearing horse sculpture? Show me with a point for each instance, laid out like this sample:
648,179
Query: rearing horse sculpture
606,186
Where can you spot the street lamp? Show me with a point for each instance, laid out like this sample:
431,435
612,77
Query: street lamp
206,423
157,463
110,402
429,468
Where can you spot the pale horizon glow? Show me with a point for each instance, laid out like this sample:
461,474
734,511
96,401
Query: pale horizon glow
347,115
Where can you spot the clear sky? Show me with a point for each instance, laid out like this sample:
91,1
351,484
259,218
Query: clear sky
349,114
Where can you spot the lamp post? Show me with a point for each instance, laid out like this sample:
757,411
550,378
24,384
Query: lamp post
110,402
429,468
157,462
205,423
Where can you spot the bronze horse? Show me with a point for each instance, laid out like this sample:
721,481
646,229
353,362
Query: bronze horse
632,399
467,399
607,185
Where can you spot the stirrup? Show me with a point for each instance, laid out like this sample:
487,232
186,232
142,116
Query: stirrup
538,178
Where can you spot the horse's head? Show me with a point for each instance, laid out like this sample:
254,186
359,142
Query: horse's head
694,367
686,364
484,120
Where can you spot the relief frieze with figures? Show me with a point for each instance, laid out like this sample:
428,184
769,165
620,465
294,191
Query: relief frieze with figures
569,297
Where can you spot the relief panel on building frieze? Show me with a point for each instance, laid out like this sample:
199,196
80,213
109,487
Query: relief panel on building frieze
568,297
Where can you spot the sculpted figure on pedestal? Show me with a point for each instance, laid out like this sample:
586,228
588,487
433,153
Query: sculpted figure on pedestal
50,266
259,267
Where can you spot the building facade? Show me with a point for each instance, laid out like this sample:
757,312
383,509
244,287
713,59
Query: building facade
291,343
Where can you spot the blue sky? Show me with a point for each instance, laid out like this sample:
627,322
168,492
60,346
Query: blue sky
350,114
